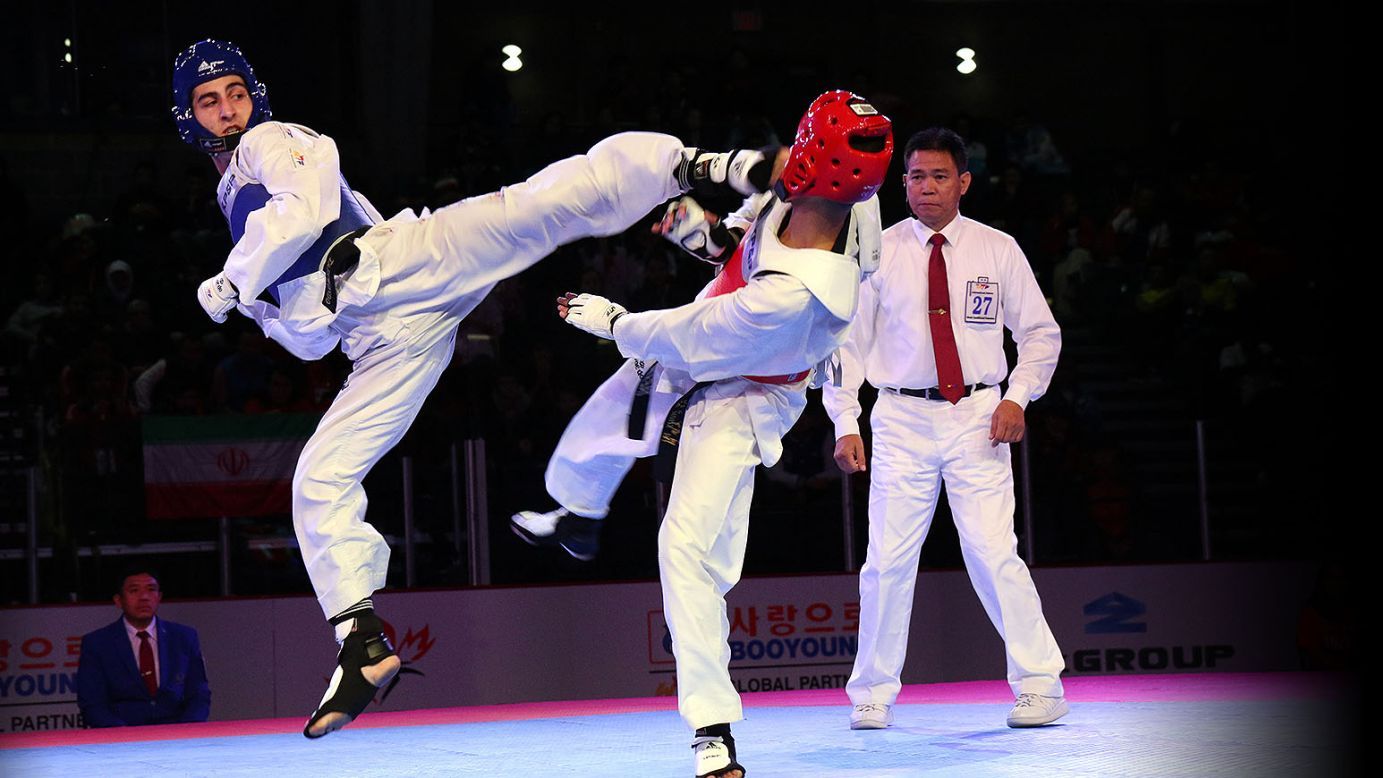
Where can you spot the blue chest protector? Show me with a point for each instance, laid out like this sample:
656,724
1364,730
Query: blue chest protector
252,197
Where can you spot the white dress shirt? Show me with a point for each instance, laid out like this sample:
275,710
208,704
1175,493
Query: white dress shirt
991,286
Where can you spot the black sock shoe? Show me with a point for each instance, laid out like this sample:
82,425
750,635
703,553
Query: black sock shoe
365,609
579,536
365,645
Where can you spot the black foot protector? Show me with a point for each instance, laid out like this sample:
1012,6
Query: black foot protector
349,692
737,173
714,749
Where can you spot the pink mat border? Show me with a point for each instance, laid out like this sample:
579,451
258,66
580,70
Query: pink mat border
1109,688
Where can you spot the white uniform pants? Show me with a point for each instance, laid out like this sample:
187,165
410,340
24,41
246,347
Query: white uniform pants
919,443
596,452
701,551
702,538
432,272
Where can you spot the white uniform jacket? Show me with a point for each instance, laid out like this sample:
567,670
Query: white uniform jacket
287,203
791,316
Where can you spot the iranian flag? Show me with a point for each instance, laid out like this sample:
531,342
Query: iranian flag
212,466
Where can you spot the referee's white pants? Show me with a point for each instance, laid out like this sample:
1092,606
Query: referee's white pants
432,272
701,552
918,444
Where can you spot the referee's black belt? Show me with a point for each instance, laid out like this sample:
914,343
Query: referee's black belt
934,393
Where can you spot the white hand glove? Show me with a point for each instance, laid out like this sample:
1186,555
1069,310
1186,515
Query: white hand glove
217,296
594,314
688,225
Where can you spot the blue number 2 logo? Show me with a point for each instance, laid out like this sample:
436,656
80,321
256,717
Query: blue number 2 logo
982,305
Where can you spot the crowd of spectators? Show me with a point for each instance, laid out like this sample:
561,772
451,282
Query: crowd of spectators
1167,267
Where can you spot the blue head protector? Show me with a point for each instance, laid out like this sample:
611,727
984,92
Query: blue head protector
205,61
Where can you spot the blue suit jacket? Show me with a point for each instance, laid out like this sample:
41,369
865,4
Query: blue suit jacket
111,693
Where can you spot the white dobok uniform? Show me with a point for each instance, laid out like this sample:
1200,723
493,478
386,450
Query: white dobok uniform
398,309
791,315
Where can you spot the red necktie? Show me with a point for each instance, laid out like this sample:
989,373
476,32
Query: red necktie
948,374
146,663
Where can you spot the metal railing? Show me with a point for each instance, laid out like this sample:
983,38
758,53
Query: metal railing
469,521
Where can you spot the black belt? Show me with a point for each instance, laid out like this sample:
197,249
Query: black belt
670,435
934,393
343,256
665,461
638,408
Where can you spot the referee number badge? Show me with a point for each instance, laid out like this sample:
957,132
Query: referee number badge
981,301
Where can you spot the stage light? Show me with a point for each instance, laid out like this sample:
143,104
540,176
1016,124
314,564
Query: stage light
966,66
513,63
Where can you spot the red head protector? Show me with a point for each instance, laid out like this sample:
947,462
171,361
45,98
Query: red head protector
842,150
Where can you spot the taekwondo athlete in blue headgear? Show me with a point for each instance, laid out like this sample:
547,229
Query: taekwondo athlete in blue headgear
317,267
205,61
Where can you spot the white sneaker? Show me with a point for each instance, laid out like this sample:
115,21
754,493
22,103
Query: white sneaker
1034,710
871,716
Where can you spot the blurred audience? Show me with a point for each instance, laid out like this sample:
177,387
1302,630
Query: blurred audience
1159,274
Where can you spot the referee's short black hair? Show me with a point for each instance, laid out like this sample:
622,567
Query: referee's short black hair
939,139
128,571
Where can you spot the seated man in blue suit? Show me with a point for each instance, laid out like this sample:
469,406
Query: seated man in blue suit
141,669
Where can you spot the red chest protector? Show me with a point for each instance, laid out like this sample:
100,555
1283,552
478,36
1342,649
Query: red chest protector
731,278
